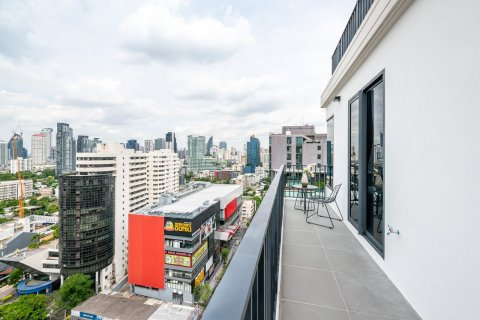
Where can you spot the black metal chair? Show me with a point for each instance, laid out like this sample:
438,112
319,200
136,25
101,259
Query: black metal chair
324,201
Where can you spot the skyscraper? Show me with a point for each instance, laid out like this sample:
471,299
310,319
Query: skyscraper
133,144
84,144
65,149
222,145
171,141
209,146
95,142
21,151
3,153
39,151
253,155
48,144
160,144
149,146
86,244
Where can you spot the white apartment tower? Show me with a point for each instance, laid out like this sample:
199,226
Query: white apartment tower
48,143
39,149
139,180
149,145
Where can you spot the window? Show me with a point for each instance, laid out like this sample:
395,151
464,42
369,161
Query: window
289,140
366,164
330,139
319,147
319,157
289,148
299,141
289,156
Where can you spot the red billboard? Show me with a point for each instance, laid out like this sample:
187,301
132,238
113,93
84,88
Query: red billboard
146,251
230,209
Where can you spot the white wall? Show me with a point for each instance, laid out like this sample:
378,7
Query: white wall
432,89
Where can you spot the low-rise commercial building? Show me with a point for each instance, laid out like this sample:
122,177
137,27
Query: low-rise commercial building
182,227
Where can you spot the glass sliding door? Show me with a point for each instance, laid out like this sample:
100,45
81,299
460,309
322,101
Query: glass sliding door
374,156
330,137
354,148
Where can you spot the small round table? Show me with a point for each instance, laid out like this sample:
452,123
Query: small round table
303,193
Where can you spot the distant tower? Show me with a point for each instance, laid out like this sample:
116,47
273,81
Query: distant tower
66,149
209,146
253,155
171,141
222,145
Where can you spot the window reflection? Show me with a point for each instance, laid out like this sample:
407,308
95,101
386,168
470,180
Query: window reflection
354,168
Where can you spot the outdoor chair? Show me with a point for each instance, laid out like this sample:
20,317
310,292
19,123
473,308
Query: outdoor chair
324,201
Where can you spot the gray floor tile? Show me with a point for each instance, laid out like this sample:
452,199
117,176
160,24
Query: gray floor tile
297,223
353,261
310,286
298,311
374,295
298,255
364,316
309,238
340,242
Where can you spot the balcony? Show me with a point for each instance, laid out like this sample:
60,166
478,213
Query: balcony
286,268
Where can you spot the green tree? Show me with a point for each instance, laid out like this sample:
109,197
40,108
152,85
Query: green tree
52,208
206,293
33,201
225,253
15,276
76,289
32,307
55,231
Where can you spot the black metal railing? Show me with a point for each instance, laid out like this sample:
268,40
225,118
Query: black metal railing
248,290
358,14
320,176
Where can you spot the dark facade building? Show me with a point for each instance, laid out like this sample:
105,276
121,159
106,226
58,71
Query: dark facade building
209,146
66,149
133,144
160,144
222,145
171,141
86,228
84,144
253,155
21,151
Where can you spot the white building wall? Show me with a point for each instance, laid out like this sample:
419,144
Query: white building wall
38,149
430,57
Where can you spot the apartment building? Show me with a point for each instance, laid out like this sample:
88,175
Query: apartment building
297,146
139,179
11,189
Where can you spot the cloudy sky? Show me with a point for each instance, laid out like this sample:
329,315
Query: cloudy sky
137,69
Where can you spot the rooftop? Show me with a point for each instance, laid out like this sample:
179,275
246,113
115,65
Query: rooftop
191,204
131,307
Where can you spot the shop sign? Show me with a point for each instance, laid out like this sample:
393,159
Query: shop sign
199,278
199,253
176,260
184,227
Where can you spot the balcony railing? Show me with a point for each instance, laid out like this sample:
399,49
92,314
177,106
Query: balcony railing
358,14
248,290
321,176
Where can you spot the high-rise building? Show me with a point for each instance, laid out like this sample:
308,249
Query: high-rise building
297,146
209,146
133,144
160,144
21,151
149,146
222,145
65,149
3,153
253,155
140,179
86,226
84,144
171,141
25,165
196,159
95,142
39,153
48,143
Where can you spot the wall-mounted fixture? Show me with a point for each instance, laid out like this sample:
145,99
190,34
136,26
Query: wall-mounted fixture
390,230
337,98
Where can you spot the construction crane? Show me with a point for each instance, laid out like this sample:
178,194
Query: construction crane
21,199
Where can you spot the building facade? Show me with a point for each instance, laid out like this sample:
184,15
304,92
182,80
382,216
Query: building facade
48,144
140,178
149,146
25,165
389,153
11,189
171,141
84,144
253,155
86,226
222,145
297,146
208,151
20,150
160,144
133,144
3,153
65,149
38,149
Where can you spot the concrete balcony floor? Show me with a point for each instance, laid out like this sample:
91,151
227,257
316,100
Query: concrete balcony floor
327,274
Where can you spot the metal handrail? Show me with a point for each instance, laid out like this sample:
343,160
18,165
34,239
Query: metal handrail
248,290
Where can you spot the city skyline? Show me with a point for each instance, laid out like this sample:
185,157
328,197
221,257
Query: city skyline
114,92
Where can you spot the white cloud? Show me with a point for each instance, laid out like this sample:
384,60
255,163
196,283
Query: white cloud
158,30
